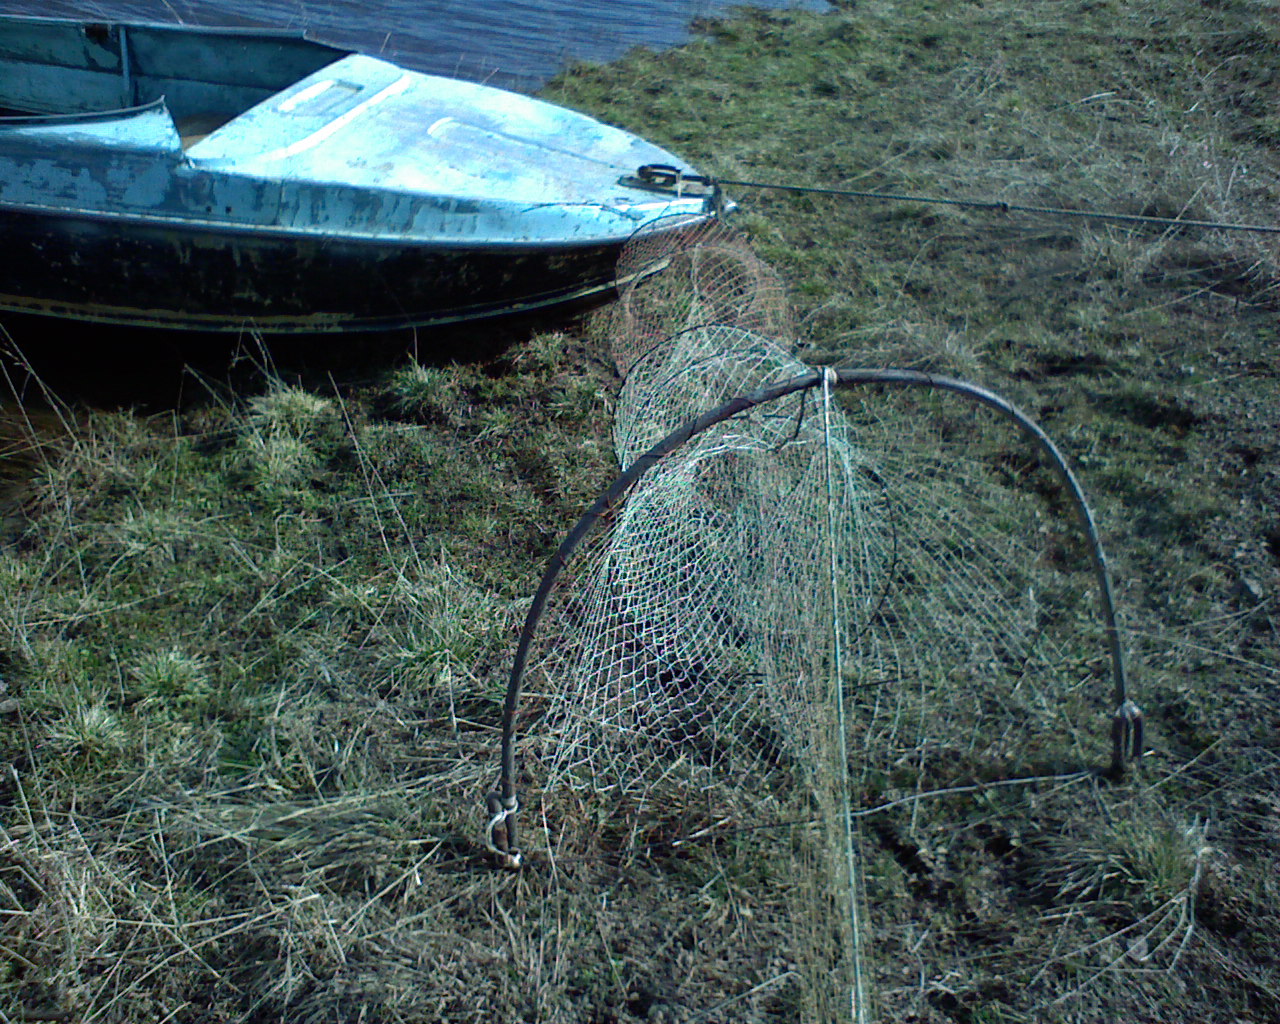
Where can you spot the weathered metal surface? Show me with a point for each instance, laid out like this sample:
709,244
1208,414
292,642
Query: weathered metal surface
356,195
219,279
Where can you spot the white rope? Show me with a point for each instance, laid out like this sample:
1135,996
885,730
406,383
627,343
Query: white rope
501,809
857,993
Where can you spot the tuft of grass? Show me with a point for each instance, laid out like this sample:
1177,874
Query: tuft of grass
88,733
173,677
424,393
288,411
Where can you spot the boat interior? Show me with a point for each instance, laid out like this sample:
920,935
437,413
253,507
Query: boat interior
206,77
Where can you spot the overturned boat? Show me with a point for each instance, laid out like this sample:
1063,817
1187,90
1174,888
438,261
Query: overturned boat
231,179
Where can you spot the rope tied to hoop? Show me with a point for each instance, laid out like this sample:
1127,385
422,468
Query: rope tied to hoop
500,810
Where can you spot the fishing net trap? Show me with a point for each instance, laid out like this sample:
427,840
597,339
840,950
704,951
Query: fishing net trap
830,660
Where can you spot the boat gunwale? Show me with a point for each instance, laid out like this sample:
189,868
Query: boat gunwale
284,231
251,31
82,117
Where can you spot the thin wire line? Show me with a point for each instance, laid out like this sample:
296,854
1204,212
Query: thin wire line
1003,207
857,993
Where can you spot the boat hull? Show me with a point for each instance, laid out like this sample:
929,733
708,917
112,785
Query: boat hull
230,279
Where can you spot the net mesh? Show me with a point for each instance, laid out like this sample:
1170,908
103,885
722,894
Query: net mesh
827,611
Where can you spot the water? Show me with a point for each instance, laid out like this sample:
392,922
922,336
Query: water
512,43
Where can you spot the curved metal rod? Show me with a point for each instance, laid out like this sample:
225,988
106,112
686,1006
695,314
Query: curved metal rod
1126,723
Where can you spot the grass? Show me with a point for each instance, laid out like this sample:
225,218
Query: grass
259,643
